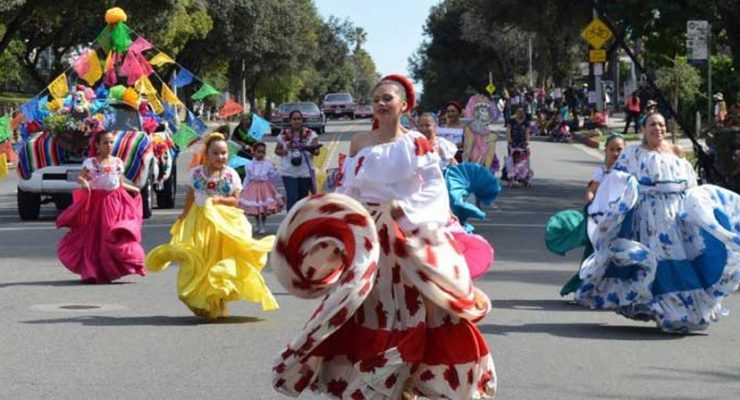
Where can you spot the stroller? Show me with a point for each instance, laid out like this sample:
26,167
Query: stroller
517,167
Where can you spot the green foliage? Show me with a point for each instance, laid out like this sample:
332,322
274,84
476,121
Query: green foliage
686,78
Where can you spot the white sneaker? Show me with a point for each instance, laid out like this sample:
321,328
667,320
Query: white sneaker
262,229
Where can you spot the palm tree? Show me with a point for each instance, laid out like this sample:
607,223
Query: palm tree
359,36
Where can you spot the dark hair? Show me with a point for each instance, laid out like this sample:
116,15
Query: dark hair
224,130
290,116
258,145
100,134
454,104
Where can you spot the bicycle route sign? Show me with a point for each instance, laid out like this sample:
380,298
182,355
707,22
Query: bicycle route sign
596,33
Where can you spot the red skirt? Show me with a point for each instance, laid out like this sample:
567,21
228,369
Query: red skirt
397,316
104,240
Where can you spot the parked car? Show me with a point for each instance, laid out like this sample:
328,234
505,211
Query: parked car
48,173
364,112
339,105
314,117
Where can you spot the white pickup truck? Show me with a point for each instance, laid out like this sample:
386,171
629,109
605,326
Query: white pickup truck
48,173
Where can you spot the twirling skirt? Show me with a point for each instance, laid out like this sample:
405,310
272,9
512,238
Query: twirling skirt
260,197
398,316
104,241
219,260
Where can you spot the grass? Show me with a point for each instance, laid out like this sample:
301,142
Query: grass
630,137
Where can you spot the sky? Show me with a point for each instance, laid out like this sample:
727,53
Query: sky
394,28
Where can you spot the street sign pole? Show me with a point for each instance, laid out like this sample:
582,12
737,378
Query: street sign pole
710,115
597,81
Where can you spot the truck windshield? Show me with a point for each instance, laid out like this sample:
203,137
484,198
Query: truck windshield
124,119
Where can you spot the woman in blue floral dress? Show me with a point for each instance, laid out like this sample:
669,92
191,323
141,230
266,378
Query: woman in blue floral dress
666,249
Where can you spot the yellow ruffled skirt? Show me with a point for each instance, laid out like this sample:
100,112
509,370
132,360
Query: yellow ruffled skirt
218,258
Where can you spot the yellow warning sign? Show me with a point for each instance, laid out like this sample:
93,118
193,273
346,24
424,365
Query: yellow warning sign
596,33
490,88
597,56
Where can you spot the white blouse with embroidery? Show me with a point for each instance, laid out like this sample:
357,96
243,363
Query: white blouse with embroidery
406,170
104,177
227,183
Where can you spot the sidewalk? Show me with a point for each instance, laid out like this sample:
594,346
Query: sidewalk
615,123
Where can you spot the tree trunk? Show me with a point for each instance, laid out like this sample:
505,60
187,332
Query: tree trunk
12,26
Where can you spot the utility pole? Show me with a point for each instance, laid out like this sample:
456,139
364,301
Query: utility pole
710,114
530,60
597,78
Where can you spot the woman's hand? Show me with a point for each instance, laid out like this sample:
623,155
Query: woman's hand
481,302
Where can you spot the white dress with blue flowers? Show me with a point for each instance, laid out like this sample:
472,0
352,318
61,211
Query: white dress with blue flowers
665,249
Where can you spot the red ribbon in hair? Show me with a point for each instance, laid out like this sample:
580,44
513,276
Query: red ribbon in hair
408,88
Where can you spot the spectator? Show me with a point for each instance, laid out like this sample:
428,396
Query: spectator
633,112
296,146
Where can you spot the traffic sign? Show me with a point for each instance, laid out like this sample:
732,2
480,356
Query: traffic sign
490,88
597,56
596,33
697,33
598,69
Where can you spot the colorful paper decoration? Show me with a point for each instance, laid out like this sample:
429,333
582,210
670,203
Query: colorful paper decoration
146,69
140,45
169,96
5,131
145,87
204,91
31,110
131,68
161,59
94,72
155,103
58,87
260,127
183,78
195,123
81,65
16,121
184,136
115,15
3,165
230,108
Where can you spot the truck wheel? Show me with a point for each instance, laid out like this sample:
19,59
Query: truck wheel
166,196
147,196
62,201
29,205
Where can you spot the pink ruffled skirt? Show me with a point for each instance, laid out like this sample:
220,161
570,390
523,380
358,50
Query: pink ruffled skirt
104,240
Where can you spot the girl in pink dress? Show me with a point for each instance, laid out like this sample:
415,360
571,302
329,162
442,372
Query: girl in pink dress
398,308
260,198
104,241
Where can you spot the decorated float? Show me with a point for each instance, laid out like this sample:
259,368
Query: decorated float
115,85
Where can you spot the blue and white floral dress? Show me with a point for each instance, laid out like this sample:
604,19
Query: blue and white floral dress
665,249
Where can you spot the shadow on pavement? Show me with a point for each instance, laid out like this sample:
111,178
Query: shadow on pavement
714,376
70,282
533,276
545,195
563,304
587,331
153,320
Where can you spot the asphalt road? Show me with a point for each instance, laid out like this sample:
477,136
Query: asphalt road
140,342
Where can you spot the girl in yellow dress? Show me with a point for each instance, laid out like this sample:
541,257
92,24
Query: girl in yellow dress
212,241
